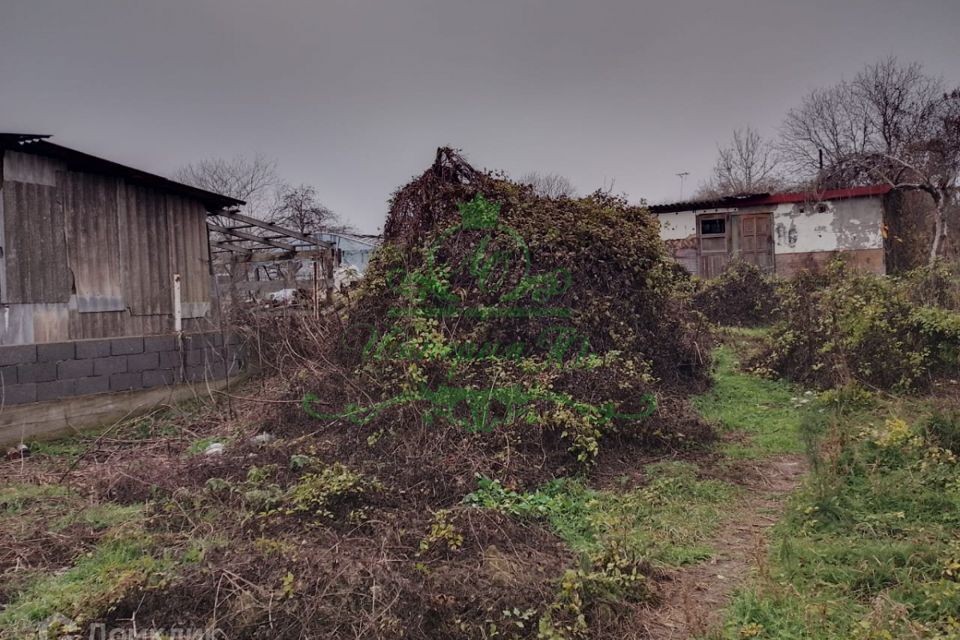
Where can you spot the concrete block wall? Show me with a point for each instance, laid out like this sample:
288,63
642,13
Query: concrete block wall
43,372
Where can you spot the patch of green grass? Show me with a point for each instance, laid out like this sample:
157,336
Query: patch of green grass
869,547
768,412
15,498
95,582
68,447
99,516
748,332
667,521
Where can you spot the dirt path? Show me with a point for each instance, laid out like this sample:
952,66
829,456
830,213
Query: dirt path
694,596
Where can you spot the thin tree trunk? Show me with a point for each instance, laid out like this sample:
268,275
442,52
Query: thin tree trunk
939,229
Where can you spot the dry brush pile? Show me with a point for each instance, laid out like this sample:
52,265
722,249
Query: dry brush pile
497,334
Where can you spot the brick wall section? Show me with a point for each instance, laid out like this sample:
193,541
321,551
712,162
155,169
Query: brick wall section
42,372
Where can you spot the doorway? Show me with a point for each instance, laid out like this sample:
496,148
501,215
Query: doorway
756,240
714,244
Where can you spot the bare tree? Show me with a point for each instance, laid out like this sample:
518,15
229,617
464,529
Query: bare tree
829,125
929,162
249,179
748,164
298,208
891,124
549,185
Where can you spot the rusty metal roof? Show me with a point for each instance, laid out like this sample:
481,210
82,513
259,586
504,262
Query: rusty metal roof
38,144
759,199
710,203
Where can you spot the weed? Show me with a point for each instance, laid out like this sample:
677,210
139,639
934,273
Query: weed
441,531
321,493
611,576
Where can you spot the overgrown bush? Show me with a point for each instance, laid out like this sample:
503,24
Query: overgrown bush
885,332
490,308
743,295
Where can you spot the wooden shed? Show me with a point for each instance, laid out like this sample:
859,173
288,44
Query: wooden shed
93,255
89,248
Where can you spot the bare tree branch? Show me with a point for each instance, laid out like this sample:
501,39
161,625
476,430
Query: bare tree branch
300,209
748,164
249,179
549,185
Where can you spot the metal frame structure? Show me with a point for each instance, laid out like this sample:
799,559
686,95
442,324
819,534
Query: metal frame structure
242,246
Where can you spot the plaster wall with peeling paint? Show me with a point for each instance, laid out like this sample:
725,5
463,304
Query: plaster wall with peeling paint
678,226
804,234
841,225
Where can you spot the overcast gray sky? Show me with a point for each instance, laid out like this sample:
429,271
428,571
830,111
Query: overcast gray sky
355,95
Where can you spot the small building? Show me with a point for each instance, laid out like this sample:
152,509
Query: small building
779,232
100,266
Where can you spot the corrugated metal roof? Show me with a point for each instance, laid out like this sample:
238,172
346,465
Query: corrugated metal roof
79,161
760,199
710,203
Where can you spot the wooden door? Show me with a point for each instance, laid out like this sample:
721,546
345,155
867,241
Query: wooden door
756,240
714,241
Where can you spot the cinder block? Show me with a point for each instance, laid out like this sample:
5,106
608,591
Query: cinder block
202,340
126,346
56,390
39,372
93,384
143,362
192,341
93,349
56,351
169,360
158,378
74,369
8,375
19,393
110,365
159,343
18,354
195,357
126,381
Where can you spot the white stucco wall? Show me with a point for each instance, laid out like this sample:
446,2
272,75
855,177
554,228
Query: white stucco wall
677,226
835,225
852,224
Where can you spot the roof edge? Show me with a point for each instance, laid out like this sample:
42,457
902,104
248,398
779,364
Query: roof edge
761,199
85,162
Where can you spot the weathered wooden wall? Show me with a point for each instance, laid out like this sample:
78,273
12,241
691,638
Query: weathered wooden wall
90,256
